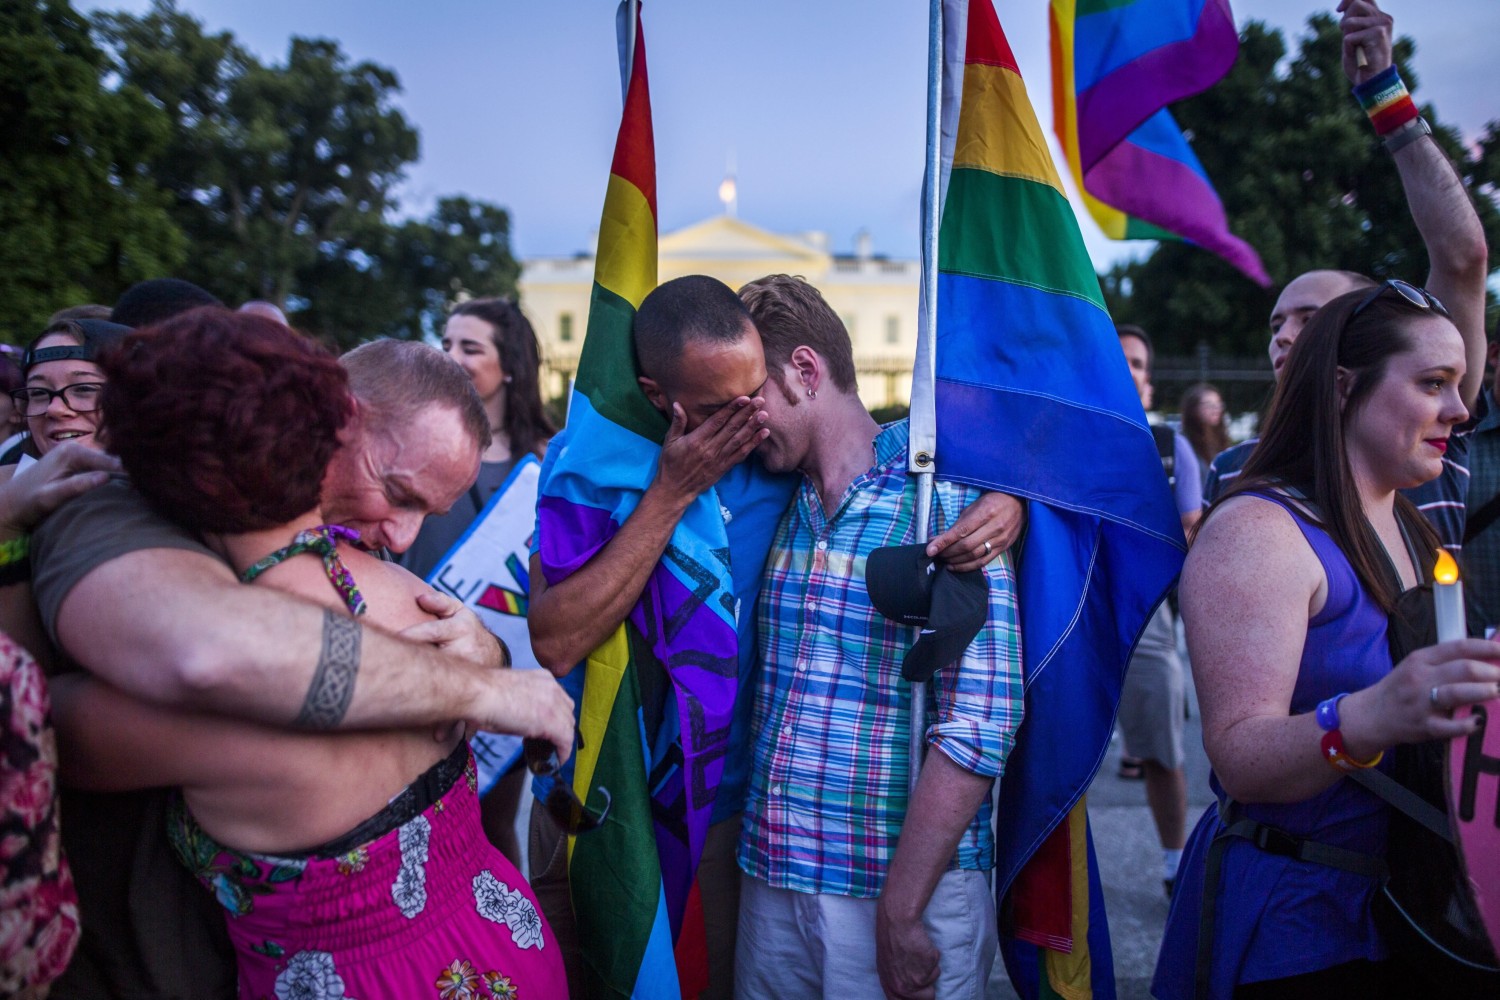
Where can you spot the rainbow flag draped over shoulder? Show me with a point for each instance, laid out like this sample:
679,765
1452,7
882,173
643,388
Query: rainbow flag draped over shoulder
657,697
1116,65
1033,398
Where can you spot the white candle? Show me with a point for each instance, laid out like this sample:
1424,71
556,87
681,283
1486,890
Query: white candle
1448,597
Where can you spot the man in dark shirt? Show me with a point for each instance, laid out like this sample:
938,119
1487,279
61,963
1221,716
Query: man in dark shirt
1455,245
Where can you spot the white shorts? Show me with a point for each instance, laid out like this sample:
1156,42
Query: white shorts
798,944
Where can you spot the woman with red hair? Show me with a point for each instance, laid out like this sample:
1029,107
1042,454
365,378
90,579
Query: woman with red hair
350,864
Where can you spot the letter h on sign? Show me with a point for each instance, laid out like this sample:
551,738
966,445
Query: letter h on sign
1477,762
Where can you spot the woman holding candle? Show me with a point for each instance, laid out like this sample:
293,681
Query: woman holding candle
1287,595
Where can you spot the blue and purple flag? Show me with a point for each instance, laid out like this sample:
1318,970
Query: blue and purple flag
1116,65
1033,398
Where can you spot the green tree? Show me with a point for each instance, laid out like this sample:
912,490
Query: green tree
462,250
268,165
282,177
80,216
401,280
1303,179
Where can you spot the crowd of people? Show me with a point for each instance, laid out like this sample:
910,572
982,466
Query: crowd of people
235,757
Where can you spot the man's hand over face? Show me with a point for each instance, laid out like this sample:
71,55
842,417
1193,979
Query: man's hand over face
692,461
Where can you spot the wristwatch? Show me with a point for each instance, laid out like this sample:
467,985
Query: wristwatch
1407,134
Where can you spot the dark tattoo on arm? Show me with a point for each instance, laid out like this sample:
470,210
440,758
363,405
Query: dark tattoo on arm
333,684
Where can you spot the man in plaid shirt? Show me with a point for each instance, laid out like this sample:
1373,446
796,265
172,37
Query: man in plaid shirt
845,876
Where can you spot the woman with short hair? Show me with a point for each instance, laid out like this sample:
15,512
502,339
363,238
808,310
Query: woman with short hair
349,864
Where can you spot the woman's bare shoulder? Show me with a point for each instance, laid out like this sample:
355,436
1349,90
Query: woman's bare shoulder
1246,517
390,591
1251,539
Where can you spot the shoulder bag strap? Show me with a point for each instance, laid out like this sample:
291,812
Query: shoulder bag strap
1274,841
1482,519
1398,796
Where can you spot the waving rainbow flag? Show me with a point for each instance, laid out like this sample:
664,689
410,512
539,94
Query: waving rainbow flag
632,878
1027,353
1116,65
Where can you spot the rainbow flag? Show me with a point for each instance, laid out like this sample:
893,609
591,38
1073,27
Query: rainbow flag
674,658
1116,65
1026,351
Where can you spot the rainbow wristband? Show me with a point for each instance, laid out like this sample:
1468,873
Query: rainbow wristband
1386,101
1338,758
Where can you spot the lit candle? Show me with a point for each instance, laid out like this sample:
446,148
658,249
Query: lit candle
1448,597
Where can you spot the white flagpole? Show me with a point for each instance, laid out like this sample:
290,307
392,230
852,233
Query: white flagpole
922,458
625,21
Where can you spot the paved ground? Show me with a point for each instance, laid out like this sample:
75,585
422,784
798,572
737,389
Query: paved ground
1130,863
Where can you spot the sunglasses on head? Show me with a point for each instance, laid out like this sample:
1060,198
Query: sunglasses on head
562,803
1419,297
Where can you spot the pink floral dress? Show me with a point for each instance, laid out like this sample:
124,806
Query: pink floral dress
428,909
38,908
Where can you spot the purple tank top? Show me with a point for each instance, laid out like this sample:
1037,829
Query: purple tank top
1277,916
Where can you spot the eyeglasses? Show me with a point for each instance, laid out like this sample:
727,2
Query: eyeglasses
1419,297
81,397
562,803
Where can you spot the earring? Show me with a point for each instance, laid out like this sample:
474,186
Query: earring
812,394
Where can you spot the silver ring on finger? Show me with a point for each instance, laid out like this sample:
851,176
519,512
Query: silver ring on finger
1432,697
987,548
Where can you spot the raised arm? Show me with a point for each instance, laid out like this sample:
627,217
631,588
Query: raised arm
567,620
1435,193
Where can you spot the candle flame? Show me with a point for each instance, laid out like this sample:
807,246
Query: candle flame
1446,570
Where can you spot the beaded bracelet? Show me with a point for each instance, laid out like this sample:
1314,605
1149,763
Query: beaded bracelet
1338,758
1386,101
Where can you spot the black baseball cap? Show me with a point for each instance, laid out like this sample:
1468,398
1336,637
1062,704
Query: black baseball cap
95,334
910,588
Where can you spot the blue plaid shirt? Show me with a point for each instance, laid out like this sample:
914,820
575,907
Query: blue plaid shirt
828,780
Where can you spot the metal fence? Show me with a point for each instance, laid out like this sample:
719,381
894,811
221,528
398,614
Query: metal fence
1244,383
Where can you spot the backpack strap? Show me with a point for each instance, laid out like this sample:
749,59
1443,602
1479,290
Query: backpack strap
1399,797
1483,518
1272,840
1166,447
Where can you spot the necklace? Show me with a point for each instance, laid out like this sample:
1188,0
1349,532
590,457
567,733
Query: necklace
324,541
